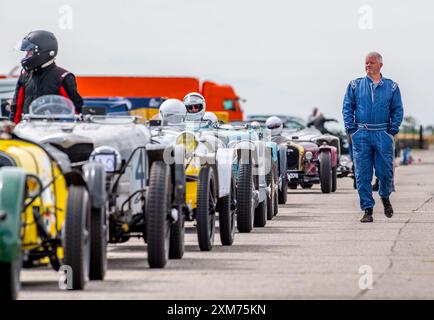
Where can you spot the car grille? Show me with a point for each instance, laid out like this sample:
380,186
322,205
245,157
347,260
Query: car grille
78,152
292,158
6,161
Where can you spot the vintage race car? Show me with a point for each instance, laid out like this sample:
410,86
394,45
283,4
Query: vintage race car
45,213
210,184
310,158
138,183
256,174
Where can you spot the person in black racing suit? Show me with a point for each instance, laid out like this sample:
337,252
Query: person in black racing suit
40,75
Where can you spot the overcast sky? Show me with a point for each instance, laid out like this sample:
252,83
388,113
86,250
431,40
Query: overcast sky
282,56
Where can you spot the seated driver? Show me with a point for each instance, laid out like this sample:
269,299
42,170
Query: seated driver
172,112
275,125
195,105
211,118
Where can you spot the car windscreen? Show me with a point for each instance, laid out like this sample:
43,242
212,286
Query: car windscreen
52,107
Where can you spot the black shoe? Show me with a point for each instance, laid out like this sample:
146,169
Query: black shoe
388,210
367,217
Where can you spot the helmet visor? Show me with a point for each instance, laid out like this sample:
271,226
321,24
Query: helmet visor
25,45
194,108
272,126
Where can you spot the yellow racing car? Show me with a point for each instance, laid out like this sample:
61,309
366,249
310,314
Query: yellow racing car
45,213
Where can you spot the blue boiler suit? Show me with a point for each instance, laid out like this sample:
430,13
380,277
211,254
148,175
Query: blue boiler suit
372,115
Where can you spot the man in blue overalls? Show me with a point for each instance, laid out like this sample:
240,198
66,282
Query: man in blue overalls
373,113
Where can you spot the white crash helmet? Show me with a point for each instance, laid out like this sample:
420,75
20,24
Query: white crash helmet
195,106
255,125
210,117
275,125
172,111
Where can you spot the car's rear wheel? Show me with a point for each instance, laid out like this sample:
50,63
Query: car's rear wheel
325,171
283,192
227,216
271,182
245,200
334,179
157,215
77,235
206,209
293,185
276,190
261,214
306,185
98,244
10,279
177,235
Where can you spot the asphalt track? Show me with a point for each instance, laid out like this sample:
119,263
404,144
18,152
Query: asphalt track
315,248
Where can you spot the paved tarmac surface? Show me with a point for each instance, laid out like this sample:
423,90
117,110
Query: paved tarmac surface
315,248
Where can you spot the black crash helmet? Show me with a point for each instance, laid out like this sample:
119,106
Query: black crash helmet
40,47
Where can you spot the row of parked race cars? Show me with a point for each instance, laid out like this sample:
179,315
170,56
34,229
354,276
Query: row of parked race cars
70,184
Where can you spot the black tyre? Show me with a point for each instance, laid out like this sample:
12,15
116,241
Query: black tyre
10,280
77,235
334,179
271,182
177,235
276,190
245,201
261,214
206,209
158,205
283,193
98,244
227,216
325,171
293,186
306,185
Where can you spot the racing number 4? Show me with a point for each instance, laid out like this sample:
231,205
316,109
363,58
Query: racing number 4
140,170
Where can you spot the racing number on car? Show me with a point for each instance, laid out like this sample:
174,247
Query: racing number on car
140,170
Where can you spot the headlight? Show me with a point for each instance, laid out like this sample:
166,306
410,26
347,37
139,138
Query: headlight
308,155
34,186
108,156
189,140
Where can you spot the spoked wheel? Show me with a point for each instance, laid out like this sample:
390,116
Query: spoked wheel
325,172
206,209
158,206
77,235
227,208
245,200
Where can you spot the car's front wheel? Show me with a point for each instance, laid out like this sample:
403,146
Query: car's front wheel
325,171
157,215
227,216
206,209
77,235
